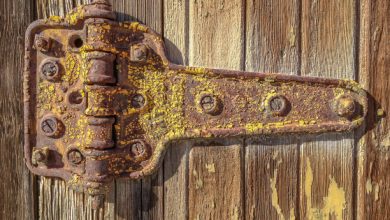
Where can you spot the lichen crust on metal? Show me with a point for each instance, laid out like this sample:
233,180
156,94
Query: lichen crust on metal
102,101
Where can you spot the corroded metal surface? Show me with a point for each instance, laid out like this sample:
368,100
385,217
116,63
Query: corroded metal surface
102,101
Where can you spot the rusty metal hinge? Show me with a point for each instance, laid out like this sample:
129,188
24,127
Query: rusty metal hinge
102,101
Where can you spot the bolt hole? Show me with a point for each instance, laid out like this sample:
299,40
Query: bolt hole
75,98
78,42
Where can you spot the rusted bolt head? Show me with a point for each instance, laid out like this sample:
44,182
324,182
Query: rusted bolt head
210,104
40,156
277,105
139,53
75,157
42,44
51,126
138,101
138,149
344,106
50,70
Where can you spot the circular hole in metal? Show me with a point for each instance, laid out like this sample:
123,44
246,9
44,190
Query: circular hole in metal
78,42
75,98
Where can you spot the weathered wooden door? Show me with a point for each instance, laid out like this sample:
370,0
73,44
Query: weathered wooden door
331,176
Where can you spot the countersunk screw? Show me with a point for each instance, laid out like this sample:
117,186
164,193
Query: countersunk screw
139,53
210,104
138,101
277,105
75,157
138,149
344,106
51,126
50,70
42,44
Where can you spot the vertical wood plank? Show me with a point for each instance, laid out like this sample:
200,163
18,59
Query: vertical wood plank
176,181
374,66
271,178
216,33
176,159
327,162
215,182
17,185
271,172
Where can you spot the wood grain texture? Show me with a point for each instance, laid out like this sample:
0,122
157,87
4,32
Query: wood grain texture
374,67
17,185
175,166
176,182
271,175
216,39
327,162
215,182
271,164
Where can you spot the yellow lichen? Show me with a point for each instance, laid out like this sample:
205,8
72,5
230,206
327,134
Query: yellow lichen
56,19
74,16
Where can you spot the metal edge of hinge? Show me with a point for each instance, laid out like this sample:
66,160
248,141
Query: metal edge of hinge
159,102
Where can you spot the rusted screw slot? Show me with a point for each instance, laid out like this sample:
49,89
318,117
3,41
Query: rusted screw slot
75,98
50,70
138,148
139,53
210,104
344,106
51,126
42,44
277,105
138,101
75,157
